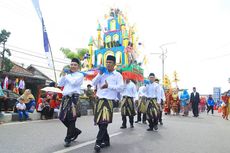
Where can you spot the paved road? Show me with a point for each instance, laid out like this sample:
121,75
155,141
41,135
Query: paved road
205,134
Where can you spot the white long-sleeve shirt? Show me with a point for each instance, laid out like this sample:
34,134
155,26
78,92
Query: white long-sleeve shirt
162,93
115,84
130,90
141,92
72,83
153,90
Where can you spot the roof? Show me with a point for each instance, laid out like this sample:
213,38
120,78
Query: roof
38,73
19,71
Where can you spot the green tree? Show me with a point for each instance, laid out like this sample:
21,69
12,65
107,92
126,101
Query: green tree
79,53
6,63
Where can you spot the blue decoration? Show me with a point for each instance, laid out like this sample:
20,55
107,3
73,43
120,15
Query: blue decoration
146,82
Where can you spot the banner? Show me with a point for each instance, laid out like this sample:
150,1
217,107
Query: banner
45,35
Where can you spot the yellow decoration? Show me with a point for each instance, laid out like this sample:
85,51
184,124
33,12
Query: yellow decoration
167,82
91,54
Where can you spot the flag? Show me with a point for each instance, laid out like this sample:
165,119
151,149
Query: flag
45,35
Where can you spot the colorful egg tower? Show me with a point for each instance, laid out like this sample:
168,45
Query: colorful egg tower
119,41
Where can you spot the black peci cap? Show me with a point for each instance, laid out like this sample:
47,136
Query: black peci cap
112,58
76,60
152,74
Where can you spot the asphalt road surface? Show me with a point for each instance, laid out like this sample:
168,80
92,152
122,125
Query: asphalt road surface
205,134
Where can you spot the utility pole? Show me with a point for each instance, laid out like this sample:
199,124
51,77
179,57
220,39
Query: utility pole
163,57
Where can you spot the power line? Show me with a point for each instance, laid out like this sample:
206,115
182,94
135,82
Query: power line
27,50
15,9
23,58
37,56
45,67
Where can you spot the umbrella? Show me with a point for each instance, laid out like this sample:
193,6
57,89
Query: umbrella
52,89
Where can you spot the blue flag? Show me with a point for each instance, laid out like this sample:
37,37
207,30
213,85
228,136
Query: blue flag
45,35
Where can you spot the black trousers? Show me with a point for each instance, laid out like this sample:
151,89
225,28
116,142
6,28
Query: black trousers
210,108
71,129
102,135
152,123
125,120
160,116
139,116
195,110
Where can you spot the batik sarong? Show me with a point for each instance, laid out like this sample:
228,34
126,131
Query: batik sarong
127,106
103,112
142,105
70,107
153,110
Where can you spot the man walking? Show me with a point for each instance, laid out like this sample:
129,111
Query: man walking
161,104
141,106
108,82
153,95
195,100
127,103
70,102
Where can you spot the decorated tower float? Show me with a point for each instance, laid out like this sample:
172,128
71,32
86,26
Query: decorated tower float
117,39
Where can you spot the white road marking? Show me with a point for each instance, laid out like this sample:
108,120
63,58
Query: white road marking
83,144
25,122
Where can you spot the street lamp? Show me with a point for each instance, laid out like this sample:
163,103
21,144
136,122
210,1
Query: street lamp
163,56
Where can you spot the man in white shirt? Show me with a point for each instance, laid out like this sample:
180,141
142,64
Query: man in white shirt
127,104
141,108
108,83
153,95
161,104
69,108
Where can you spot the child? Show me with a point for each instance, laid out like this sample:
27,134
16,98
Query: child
21,108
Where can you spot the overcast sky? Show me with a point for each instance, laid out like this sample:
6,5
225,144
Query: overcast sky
196,34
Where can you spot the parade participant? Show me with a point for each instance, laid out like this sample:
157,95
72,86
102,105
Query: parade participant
175,102
195,100
90,94
161,104
202,104
127,104
167,105
153,95
184,97
141,107
210,104
108,83
70,102
225,104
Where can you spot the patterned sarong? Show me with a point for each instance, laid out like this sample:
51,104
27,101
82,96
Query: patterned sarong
70,107
127,106
142,107
103,112
153,110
